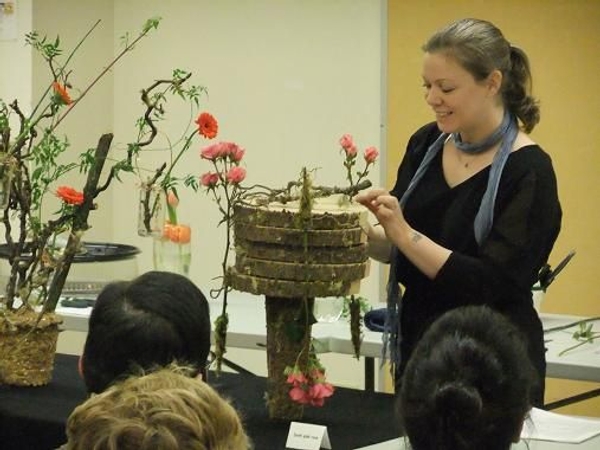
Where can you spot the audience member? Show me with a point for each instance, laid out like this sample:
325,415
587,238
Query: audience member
163,410
151,321
467,384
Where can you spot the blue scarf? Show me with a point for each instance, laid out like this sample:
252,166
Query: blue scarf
507,132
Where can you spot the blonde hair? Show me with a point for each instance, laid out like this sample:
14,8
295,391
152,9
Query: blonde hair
163,410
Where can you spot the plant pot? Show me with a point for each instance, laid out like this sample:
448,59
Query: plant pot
27,348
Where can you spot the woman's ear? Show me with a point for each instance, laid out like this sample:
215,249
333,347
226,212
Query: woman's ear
494,82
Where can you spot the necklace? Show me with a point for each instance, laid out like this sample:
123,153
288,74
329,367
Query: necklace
461,159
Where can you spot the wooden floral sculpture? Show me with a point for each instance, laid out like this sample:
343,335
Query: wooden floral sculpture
292,245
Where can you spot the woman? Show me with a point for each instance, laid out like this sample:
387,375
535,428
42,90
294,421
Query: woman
165,409
474,212
467,383
151,321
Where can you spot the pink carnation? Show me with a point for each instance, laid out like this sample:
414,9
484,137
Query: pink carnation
347,142
371,155
299,395
317,393
209,179
236,175
211,152
296,378
235,152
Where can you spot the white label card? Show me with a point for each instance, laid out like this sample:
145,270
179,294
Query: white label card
306,436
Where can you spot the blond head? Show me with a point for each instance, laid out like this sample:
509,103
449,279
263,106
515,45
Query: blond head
163,410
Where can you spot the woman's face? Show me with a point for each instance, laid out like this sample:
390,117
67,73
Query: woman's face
461,104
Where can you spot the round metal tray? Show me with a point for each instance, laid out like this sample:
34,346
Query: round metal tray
94,252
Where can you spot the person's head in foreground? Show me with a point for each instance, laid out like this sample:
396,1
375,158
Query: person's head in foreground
151,321
466,386
165,410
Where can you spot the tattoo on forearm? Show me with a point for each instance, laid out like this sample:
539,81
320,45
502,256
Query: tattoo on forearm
415,236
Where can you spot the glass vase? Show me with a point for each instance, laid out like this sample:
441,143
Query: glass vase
151,210
172,251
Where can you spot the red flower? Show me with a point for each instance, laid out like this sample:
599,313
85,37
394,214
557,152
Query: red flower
62,93
207,125
69,195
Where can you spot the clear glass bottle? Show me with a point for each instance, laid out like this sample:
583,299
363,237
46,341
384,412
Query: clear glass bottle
173,250
151,210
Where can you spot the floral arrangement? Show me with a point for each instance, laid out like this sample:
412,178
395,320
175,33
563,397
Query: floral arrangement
306,377
350,150
223,183
309,387
31,169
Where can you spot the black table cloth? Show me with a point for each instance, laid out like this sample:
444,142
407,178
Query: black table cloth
34,417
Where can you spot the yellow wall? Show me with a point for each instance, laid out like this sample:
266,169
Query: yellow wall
562,39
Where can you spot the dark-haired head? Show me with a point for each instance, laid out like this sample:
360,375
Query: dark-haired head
467,384
151,321
480,48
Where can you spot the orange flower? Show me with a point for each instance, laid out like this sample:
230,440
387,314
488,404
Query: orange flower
62,93
207,125
181,234
69,195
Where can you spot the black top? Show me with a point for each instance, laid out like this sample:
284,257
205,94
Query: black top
501,271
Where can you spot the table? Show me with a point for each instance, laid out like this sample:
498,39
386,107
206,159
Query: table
247,329
34,418
591,444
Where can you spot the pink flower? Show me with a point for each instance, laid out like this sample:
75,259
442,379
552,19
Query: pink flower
319,392
211,152
172,199
209,179
351,151
296,378
236,175
299,395
236,153
317,375
371,155
347,142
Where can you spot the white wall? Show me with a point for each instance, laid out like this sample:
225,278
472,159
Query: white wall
286,79
15,76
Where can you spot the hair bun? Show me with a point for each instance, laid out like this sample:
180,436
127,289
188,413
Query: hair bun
459,400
